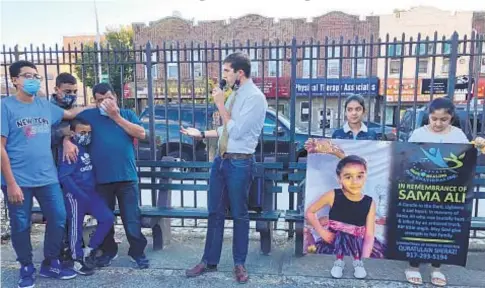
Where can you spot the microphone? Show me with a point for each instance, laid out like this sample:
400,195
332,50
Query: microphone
222,84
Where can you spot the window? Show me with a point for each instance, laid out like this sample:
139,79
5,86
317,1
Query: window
275,68
333,65
446,48
304,111
423,49
423,66
224,53
314,62
394,50
395,66
198,58
281,108
406,122
154,66
171,57
269,125
361,62
445,67
50,76
253,55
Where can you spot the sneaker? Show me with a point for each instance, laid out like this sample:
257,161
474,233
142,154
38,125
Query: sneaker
56,271
82,269
359,270
90,259
105,260
27,277
141,261
338,268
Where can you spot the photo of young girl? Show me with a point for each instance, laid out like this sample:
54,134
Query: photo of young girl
350,218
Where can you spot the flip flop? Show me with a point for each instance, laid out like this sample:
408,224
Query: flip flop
414,277
438,279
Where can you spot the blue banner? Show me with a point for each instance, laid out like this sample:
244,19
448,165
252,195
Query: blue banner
336,87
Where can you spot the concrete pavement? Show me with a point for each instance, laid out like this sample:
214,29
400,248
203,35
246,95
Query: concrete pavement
280,269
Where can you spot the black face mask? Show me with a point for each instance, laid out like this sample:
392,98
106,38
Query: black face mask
236,84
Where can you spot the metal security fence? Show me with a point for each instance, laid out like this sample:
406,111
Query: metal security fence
305,83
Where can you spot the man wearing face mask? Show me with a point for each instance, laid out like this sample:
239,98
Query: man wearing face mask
113,154
78,183
65,97
28,170
231,172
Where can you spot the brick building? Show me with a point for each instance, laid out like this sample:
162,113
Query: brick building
417,62
271,62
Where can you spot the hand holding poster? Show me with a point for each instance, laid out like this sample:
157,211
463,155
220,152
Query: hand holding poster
389,200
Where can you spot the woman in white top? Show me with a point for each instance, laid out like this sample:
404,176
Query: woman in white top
439,130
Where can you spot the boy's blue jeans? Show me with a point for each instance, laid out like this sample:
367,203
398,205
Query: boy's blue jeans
51,202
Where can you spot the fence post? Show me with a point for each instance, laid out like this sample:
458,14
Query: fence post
151,106
452,68
294,61
293,147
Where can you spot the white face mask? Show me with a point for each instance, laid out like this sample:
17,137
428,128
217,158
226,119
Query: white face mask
102,109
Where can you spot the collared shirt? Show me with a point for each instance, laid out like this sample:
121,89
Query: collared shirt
346,133
247,119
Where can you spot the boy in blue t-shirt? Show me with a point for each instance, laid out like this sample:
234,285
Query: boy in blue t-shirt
28,171
78,182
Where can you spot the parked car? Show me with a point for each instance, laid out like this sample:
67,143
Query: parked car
474,112
275,138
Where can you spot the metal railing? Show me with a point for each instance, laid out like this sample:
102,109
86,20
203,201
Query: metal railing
306,84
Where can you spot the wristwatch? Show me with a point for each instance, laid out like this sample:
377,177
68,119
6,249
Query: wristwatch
203,134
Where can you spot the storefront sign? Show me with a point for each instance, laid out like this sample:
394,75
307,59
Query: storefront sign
437,86
270,84
408,87
336,87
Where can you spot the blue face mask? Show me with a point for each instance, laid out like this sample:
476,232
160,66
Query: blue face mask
31,86
83,139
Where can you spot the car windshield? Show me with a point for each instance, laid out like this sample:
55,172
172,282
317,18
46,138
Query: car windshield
286,121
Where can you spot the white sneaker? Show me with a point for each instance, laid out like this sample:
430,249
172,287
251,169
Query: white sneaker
359,270
87,251
338,269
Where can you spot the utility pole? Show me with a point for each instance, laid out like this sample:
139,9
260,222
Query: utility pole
98,41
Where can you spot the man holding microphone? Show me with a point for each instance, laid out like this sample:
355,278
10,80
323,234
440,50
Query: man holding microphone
243,117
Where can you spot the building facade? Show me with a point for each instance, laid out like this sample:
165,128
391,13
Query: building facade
271,65
413,61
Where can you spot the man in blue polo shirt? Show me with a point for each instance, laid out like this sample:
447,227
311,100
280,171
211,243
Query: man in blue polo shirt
113,156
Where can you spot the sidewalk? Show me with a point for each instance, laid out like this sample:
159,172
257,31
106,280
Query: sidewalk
280,269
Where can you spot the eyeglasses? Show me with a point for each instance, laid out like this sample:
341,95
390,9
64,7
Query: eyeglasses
31,76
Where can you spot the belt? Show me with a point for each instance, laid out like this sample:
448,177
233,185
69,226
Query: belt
236,156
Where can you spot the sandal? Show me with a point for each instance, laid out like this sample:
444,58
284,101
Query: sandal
438,278
414,277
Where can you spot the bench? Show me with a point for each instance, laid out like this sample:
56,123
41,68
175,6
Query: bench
162,175
297,186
